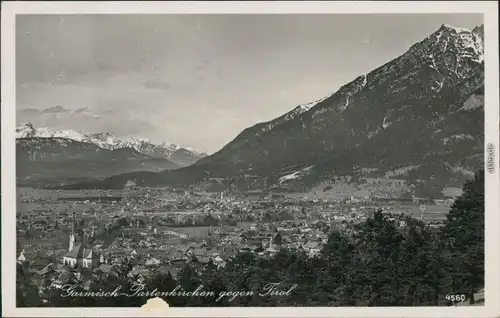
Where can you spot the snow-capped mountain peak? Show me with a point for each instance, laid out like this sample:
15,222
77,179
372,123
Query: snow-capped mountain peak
28,131
169,145
109,141
464,43
452,28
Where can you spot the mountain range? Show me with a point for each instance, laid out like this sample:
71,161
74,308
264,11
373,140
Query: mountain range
414,125
50,157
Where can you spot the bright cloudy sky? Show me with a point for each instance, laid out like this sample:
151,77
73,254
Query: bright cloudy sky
197,80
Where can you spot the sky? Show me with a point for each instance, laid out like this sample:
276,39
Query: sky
197,80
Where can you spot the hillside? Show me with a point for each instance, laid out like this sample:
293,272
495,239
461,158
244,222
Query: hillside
417,119
58,161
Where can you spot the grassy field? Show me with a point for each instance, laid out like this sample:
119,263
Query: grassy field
431,212
44,193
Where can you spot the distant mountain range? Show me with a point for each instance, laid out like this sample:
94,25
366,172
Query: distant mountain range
46,157
182,156
415,125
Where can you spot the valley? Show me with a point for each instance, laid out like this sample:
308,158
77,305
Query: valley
424,110
168,219
346,160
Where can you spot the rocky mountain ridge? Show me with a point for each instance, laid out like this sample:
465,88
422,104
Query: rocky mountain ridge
421,113
180,155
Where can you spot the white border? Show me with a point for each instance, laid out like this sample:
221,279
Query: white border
488,8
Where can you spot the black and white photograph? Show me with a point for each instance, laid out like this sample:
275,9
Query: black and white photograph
251,160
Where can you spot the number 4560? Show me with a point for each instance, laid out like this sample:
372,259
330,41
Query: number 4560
456,297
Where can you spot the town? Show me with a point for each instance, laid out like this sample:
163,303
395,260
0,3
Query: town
64,236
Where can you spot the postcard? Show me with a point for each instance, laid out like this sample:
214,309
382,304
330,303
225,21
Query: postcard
250,159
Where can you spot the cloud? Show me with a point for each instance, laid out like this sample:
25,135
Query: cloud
85,113
80,110
157,84
55,110
88,115
120,122
58,117
29,111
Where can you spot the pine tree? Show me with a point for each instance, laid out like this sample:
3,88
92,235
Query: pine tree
378,242
338,257
463,233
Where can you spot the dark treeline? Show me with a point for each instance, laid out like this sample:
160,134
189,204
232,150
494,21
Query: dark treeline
379,264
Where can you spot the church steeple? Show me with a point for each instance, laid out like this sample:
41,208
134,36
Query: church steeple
72,235
73,222
82,233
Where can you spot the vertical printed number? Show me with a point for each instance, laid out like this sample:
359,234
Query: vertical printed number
490,161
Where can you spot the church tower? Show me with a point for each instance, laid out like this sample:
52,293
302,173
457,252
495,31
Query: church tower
80,253
72,235
81,233
92,233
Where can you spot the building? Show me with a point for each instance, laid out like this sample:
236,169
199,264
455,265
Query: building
312,248
80,253
22,258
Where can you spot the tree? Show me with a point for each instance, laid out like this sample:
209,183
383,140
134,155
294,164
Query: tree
163,282
338,258
420,264
278,239
26,289
189,280
463,234
378,242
